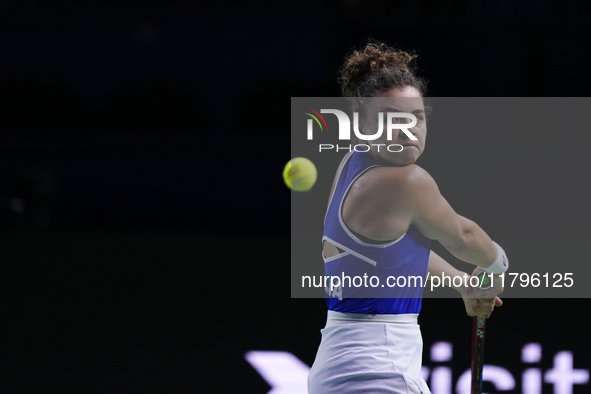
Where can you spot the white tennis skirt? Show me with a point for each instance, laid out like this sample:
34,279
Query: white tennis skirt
374,354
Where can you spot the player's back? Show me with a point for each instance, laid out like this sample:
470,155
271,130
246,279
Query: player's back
394,270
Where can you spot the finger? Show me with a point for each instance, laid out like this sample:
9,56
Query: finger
485,307
498,301
486,302
488,293
484,313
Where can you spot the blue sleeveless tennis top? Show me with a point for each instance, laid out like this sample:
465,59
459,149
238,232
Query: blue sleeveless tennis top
404,259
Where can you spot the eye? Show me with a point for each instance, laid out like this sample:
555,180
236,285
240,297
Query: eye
400,120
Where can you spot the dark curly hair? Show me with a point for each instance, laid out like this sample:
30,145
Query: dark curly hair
378,68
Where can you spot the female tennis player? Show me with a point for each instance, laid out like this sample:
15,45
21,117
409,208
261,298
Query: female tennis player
383,212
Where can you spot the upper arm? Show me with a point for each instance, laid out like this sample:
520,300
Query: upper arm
429,211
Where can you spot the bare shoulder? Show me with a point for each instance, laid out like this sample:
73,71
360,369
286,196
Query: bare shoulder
407,180
384,202
396,191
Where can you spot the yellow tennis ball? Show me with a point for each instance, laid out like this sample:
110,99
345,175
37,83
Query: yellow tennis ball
300,174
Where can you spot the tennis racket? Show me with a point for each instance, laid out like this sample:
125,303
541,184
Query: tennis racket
478,333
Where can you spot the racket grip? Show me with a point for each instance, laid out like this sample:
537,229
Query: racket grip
478,334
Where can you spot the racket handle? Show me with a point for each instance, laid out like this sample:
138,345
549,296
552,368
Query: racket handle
478,334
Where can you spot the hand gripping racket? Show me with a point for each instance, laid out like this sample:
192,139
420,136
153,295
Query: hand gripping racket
478,332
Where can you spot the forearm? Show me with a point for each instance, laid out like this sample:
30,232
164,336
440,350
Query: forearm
439,267
476,305
476,246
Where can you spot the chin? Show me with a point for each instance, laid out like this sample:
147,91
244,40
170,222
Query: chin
405,160
400,163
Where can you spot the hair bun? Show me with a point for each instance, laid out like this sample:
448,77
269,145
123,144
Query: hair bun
380,55
374,59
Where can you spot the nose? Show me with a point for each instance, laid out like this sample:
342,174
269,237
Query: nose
403,136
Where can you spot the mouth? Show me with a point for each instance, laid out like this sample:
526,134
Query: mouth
409,146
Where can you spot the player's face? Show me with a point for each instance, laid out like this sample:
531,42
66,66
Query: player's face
407,99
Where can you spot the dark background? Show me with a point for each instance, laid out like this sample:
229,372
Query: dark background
145,225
